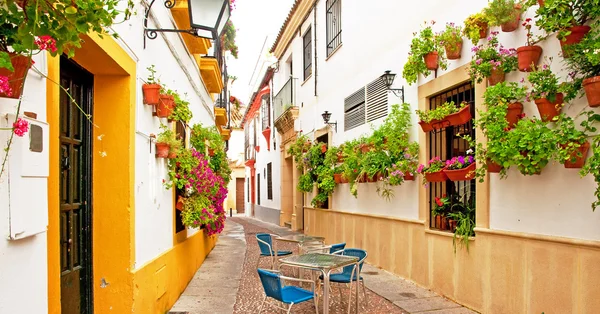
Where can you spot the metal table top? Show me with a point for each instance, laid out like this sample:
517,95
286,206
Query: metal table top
299,238
319,260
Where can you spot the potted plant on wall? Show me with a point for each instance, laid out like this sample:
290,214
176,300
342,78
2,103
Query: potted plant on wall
572,143
529,55
451,40
433,172
504,13
532,144
584,62
424,55
166,103
492,61
438,118
167,144
460,168
476,27
181,111
568,18
547,92
440,210
507,93
151,89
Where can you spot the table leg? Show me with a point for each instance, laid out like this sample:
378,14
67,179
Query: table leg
354,271
357,286
326,291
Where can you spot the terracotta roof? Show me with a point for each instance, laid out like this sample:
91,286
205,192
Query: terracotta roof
285,24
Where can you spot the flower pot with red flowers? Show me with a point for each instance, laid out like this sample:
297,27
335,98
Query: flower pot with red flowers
167,144
504,13
438,221
12,80
529,55
476,27
502,93
425,55
492,61
451,39
166,104
434,171
437,118
441,207
151,89
461,168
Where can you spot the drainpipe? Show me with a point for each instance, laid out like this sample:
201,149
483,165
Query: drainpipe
315,45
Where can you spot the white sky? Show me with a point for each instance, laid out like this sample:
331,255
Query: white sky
254,20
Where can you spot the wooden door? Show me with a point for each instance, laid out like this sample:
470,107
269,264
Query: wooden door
75,190
240,195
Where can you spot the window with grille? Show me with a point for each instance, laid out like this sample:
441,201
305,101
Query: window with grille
354,110
248,189
307,40
181,134
258,188
266,112
334,25
269,181
448,143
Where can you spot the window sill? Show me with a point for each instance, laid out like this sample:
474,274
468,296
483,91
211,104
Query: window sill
308,78
333,52
444,234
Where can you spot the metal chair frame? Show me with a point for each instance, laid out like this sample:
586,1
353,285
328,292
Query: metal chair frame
273,254
283,279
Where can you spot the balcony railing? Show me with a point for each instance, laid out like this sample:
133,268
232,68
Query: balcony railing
284,99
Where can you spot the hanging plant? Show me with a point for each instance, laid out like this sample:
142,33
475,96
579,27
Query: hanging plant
476,27
181,111
451,40
548,94
510,94
151,89
492,61
504,13
425,55
584,62
529,55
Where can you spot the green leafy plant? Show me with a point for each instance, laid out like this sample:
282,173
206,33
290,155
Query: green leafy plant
439,112
423,43
305,183
544,84
197,211
450,37
180,169
474,24
592,165
464,215
298,148
533,144
168,136
584,57
560,15
504,92
502,11
152,78
491,56
569,138
182,111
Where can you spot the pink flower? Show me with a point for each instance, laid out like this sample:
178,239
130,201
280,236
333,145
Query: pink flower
20,127
4,86
46,42
420,168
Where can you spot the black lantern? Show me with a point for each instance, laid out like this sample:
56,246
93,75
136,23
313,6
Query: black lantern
207,19
326,116
388,80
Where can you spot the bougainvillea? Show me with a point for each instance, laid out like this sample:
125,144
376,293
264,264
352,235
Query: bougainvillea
20,127
4,86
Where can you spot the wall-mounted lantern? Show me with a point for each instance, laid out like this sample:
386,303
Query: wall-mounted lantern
326,116
388,80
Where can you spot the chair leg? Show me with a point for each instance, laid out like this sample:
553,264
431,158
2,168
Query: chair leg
316,299
262,305
364,292
290,308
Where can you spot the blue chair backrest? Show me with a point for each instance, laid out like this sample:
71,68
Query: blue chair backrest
264,249
361,254
337,247
271,283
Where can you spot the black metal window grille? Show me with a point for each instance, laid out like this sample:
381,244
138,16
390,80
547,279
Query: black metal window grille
354,110
248,189
266,112
334,25
246,142
307,40
254,127
447,143
258,188
269,181
181,134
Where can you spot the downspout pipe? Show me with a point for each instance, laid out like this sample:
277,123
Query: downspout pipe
315,45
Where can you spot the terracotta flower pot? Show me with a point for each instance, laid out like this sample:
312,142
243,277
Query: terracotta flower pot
16,79
575,161
592,90
340,158
541,2
151,93
344,179
179,204
431,60
483,30
444,225
438,221
211,152
461,117
426,126
453,53
464,174
162,150
165,106
338,178
577,34
409,177
440,124
513,113
528,57
496,77
493,167
548,110
365,148
452,225
513,24
323,148
439,176
172,155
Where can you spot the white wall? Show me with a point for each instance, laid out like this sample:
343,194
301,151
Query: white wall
24,262
376,37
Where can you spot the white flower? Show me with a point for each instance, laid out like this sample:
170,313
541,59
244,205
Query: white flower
102,153
469,151
100,137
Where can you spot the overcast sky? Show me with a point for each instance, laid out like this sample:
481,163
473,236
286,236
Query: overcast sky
254,20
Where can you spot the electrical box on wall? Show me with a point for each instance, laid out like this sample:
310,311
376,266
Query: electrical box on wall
24,183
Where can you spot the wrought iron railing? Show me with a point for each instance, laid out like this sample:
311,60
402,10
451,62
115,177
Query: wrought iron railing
284,99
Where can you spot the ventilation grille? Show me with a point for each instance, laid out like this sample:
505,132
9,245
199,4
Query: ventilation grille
354,110
377,102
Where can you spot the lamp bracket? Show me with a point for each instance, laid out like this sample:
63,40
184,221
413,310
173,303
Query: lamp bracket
151,33
399,92
334,124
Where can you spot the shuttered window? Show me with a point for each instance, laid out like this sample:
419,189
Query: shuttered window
354,110
258,188
269,181
307,41
266,112
377,100
366,105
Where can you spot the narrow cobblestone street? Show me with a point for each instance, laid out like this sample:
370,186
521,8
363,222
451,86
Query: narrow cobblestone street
228,282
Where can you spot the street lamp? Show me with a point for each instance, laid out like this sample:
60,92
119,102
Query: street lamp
207,19
326,116
388,80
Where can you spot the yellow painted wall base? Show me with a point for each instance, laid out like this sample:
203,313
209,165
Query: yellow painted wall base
159,283
501,273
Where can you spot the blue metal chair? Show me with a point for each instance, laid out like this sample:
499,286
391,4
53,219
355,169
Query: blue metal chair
337,248
265,244
332,249
345,276
272,283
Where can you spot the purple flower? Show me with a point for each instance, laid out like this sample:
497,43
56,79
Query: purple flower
461,159
471,159
407,156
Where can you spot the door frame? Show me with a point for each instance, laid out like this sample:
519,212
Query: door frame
75,69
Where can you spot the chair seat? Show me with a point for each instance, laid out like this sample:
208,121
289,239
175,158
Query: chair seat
340,277
294,294
279,253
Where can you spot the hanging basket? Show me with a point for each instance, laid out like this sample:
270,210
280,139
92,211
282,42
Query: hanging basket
162,150
165,106
513,24
431,60
528,57
151,93
461,117
547,109
409,177
513,113
337,177
592,90
464,174
16,79
576,35
453,53
439,176
493,167
575,161
483,30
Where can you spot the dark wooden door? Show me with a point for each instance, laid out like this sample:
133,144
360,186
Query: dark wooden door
75,189
239,195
